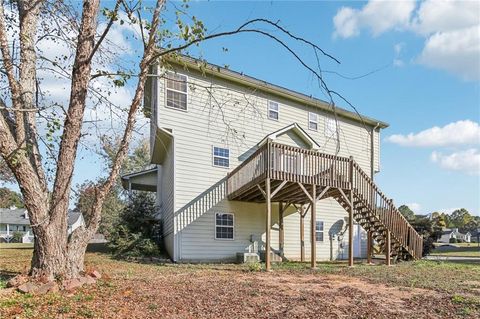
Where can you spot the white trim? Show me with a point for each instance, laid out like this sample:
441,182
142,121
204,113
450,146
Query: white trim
298,129
177,91
215,226
222,157
277,110
310,121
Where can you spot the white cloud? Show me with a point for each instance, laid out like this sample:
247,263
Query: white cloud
378,16
457,133
456,51
451,30
466,161
398,48
415,207
441,16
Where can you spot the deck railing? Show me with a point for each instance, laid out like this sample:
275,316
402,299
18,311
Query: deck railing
294,164
371,197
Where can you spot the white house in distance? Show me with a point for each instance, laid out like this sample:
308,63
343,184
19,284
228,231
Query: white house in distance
448,234
245,166
14,220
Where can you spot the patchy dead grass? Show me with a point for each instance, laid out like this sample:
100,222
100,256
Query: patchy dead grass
426,289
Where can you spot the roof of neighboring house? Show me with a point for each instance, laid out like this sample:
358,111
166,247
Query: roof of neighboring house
455,231
17,216
248,81
13,216
73,217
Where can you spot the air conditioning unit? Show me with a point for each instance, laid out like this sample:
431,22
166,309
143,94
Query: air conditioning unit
247,258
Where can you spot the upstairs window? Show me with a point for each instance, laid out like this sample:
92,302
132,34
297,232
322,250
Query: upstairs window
319,230
224,226
330,127
176,91
221,157
313,121
273,110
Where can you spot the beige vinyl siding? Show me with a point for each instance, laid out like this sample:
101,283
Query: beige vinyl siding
167,204
239,125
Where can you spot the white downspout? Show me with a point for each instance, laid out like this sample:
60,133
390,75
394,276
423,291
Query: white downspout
372,153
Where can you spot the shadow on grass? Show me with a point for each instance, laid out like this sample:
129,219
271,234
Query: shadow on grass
5,275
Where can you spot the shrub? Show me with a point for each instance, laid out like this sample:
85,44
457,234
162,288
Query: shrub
17,237
123,243
254,266
453,241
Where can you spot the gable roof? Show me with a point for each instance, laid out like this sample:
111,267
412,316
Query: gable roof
295,128
17,216
259,85
13,216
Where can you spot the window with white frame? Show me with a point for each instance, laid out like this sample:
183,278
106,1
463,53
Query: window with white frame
221,157
330,127
273,110
176,91
313,121
319,230
224,226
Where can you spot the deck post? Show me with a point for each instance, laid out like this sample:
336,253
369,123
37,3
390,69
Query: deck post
350,231
313,242
369,247
387,248
302,233
281,233
268,224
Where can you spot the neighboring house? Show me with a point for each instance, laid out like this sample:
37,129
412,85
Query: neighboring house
448,234
220,138
14,220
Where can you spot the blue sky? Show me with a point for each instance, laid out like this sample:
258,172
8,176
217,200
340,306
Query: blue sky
414,90
425,59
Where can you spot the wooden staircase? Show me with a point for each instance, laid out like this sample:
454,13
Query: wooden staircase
377,214
293,172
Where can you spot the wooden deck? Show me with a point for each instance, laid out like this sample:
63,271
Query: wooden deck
296,176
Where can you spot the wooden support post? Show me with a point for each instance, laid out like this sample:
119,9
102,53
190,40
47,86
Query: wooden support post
268,225
369,247
313,241
302,233
281,232
387,248
350,231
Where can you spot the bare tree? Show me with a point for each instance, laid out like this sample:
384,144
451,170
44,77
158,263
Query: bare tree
57,255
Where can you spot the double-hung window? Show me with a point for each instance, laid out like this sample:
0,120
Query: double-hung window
330,127
224,226
313,121
273,110
319,230
221,157
176,91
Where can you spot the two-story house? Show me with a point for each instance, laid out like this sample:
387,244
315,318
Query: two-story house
245,166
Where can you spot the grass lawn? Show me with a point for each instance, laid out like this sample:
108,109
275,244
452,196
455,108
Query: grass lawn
464,250
423,289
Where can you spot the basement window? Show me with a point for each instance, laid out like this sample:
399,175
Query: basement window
176,91
319,230
224,226
313,121
273,110
221,157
